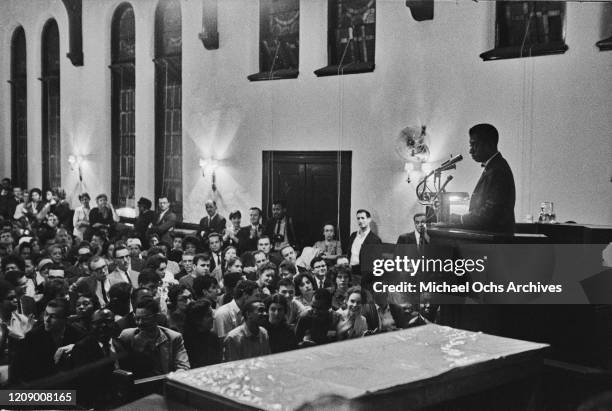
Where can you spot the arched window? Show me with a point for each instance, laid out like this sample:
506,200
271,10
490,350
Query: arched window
19,112
123,146
168,92
51,164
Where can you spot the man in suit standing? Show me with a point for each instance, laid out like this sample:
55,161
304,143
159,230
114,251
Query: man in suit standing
249,235
419,235
363,236
280,227
213,222
492,202
146,218
165,220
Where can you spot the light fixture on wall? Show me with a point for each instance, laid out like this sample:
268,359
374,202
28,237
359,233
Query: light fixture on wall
209,166
411,145
75,163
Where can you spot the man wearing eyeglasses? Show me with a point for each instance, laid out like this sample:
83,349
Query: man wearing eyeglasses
123,272
150,349
98,282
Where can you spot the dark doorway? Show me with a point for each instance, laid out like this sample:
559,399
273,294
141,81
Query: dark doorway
316,186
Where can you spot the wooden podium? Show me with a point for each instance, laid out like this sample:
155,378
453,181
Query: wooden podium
578,333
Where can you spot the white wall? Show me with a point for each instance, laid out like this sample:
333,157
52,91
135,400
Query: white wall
553,113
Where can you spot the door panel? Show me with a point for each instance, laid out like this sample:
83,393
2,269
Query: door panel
308,182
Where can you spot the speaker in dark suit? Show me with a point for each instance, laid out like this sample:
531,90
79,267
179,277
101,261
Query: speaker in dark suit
493,199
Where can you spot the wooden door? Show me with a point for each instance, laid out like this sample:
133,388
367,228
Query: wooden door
315,186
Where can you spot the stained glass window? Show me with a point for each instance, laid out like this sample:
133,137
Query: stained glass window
279,40
51,141
528,28
123,107
168,134
351,37
19,104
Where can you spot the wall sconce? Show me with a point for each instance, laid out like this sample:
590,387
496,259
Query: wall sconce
209,166
411,145
75,161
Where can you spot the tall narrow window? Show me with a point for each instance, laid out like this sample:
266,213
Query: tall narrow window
168,92
51,164
351,37
123,159
19,112
279,40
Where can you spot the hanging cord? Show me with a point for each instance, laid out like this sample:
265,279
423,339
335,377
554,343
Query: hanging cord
531,13
165,106
271,72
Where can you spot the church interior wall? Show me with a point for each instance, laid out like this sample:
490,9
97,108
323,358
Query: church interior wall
553,112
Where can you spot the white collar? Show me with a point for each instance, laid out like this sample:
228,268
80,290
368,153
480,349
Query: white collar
486,163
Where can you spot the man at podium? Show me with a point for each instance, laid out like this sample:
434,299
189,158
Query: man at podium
492,203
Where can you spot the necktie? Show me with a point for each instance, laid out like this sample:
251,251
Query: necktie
127,276
278,223
103,289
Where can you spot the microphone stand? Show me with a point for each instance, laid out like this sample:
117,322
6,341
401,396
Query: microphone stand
429,196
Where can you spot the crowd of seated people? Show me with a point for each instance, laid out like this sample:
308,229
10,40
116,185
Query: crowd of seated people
80,288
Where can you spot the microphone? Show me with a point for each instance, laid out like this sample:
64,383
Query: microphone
451,161
448,180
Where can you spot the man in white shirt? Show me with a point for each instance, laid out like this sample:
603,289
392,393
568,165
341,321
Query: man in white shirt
229,316
356,241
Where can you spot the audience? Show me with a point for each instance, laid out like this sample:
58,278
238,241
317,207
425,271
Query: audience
79,288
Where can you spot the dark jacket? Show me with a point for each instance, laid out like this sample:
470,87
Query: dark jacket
203,348
406,238
88,352
492,202
34,357
282,338
371,238
163,227
216,225
270,231
142,224
245,242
